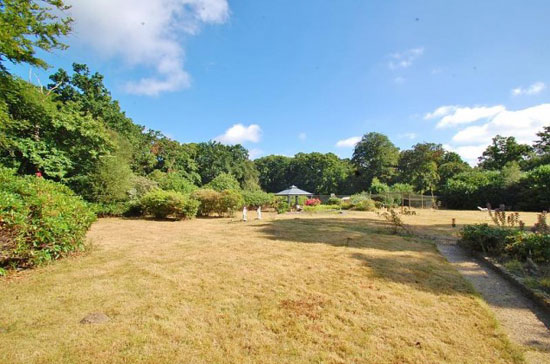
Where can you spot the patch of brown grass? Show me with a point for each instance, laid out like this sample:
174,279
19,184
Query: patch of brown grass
313,289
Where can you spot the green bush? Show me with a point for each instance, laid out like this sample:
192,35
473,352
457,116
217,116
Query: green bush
172,181
40,220
485,238
358,197
230,201
140,186
333,200
365,205
163,204
208,201
320,208
224,181
280,204
523,245
110,209
257,198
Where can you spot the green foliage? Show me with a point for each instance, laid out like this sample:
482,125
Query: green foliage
214,158
27,25
140,186
40,220
281,205
173,181
220,203
534,189
43,136
230,201
502,151
375,156
111,181
485,238
523,245
321,208
378,187
273,172
364,205
257,198
162,204
224,181
334,201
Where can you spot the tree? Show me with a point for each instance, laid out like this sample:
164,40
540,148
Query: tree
542,145
319,173
213,158
375,156
273,172
419,166
27,25
504,150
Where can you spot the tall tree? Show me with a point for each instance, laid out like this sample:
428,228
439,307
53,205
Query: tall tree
375,156
419,166
26,25
273,172
542,145
319,173
502,151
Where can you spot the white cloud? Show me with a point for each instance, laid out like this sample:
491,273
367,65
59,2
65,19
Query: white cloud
405,59
349,142
452,115
302,136
522,124
239,133
145,33
534,89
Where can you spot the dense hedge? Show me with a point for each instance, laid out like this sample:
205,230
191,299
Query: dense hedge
40,220
162,204
506,241
221,203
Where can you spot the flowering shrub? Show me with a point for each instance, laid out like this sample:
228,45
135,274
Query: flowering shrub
313,202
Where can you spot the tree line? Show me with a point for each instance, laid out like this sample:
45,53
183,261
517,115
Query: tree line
72,131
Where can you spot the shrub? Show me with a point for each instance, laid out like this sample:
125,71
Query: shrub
319,208
230,201
172,181
256,198
140,186
163,204
281,205
111,181
110,209
333,200
365,205
224,181
523,245
358,197
40,220
313,202
208,201
485,238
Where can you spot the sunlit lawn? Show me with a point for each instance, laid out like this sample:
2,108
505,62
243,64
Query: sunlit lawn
322,288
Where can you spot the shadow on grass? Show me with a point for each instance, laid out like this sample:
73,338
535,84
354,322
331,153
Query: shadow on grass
392,258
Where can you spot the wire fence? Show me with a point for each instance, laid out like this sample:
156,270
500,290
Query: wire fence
404,199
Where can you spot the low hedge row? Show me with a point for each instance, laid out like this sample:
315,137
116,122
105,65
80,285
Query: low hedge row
505,241
40,220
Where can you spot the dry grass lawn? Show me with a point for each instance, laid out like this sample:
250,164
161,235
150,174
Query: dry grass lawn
314,289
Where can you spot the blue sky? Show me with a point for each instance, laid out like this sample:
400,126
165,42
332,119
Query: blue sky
302,76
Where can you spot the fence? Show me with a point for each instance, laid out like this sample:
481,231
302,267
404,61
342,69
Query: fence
413,200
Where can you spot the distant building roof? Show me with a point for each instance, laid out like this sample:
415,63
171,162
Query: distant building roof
293,191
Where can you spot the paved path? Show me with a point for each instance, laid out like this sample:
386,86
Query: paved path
521,319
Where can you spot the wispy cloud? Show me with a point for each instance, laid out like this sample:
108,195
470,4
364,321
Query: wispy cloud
470,141
147,34
534,89
452,115
349,142
238,133
405,59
